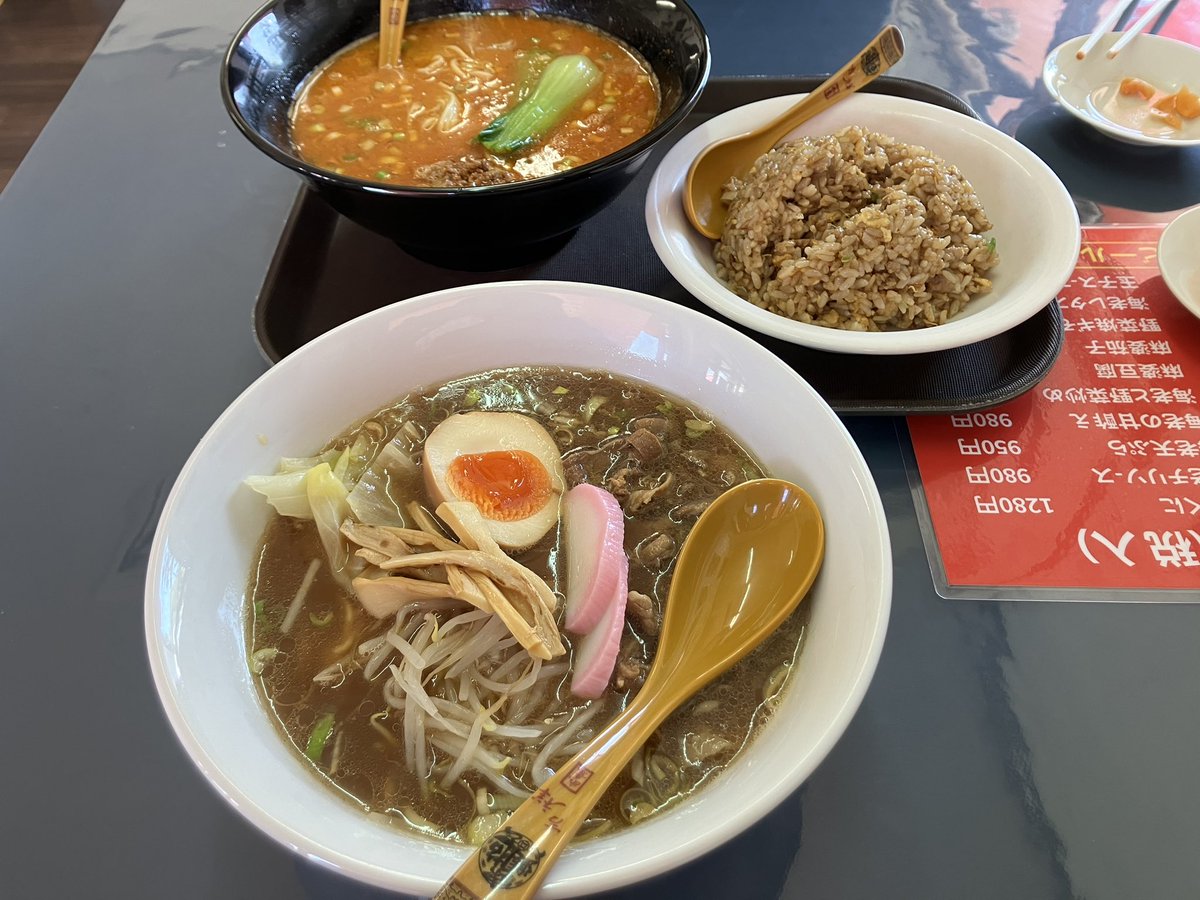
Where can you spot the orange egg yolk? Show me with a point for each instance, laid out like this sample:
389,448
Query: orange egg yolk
507,485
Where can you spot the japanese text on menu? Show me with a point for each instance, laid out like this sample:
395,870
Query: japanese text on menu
1092,480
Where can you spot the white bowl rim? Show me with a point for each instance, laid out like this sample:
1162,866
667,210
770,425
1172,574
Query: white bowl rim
957,332
1177,230
691,846
1066,50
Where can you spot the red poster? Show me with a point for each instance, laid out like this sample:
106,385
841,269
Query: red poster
1091,480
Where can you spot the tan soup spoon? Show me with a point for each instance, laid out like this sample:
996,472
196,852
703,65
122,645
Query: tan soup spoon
721,160
744,568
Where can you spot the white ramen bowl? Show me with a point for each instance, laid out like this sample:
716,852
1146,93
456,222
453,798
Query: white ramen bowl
196,584
1087,88
1035,223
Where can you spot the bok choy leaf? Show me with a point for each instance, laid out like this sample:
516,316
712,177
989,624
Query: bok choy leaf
564,83
530,66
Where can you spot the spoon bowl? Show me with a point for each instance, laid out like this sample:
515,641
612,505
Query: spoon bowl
744,568
720,161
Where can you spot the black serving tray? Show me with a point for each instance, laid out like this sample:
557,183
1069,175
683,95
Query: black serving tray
327,270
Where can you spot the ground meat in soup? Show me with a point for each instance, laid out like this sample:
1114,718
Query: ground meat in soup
465,173
312,680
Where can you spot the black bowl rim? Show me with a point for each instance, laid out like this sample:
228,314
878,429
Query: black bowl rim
616,158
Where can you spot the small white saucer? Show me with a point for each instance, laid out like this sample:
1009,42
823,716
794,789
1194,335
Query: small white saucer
1179,259
1088,88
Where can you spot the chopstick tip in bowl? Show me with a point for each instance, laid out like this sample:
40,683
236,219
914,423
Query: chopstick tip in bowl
1104,27
1137,27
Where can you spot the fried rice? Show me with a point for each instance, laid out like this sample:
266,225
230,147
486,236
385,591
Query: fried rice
855,230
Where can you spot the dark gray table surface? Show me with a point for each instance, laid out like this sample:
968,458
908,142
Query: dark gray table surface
1004,750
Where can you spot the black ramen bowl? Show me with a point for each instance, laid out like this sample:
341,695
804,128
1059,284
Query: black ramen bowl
476,228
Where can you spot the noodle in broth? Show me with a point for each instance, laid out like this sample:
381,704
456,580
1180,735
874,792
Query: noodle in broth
436,717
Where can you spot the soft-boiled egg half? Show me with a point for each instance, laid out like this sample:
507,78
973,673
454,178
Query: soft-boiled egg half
503,462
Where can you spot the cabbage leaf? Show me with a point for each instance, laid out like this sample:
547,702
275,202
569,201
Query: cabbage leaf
371,501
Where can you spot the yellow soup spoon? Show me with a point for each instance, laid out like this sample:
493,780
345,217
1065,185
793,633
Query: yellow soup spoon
744,568
721,160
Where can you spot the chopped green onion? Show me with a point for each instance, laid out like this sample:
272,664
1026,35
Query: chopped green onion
259,606
319,738
614,430
697,427
593,405
560,391
260,659
848,256
382,174
991,245
563,84
665,407
322,620
502,395
472,397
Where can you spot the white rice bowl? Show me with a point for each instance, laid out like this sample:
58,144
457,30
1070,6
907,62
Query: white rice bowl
1033,220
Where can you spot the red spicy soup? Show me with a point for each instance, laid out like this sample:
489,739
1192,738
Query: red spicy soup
418,124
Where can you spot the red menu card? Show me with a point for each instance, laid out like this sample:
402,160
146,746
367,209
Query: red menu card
1091,480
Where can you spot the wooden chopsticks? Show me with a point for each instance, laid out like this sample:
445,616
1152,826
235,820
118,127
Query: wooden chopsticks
392,14
1130,33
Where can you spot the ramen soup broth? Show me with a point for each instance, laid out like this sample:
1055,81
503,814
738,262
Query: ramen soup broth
418,124
360,753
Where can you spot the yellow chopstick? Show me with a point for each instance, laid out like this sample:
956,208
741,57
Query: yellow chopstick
392,14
